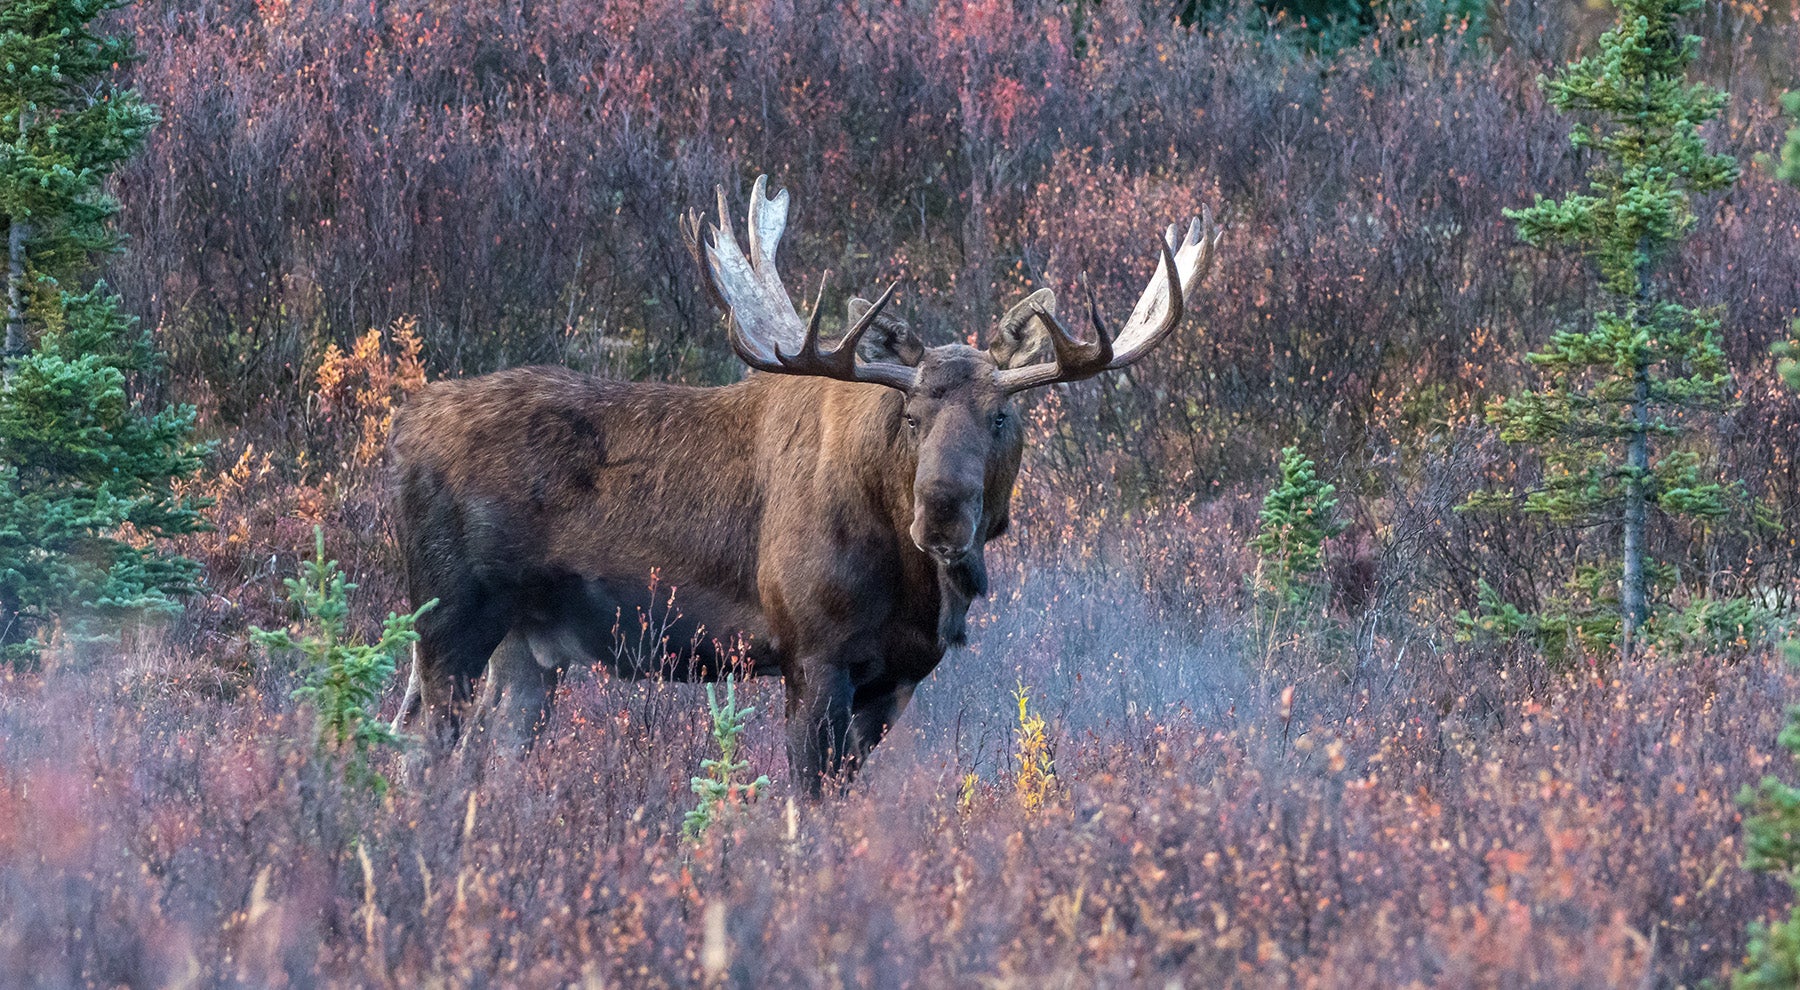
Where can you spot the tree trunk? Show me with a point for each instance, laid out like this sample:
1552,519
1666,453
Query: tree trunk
1633,605
16,233
17,230
1637,461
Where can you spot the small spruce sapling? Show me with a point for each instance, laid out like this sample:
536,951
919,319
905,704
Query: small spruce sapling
1772,845
721,787
1297,517
343,679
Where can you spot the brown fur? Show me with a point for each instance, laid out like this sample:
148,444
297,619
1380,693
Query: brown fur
535,503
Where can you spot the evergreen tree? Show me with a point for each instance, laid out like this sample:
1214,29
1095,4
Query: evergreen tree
343,678
1619,392
1772,845
721,787
86,471
1789,168
1298,516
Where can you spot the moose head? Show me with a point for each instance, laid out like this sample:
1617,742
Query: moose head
957,412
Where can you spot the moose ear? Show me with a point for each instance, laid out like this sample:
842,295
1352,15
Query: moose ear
890,339
1019,338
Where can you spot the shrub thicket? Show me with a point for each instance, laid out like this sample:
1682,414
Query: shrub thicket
510,181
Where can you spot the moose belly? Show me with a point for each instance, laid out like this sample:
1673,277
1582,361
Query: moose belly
637,630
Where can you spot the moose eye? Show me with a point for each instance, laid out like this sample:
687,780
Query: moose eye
912,422
999,421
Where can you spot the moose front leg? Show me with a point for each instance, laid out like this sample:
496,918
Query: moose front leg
431,712
873,712
818,725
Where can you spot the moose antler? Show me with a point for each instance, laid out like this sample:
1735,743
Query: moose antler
1180,267
763,319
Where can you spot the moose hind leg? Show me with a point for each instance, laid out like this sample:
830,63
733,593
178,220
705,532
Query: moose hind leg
520,690
455,642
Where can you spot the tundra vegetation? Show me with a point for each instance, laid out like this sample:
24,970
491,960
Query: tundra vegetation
343,202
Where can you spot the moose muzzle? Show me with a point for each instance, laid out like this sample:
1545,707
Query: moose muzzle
946,520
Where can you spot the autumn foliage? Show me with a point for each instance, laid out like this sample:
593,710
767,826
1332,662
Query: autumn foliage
345,199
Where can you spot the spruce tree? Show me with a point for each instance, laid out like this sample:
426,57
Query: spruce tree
1772,828
86,469
1298,516
344,678
1788,169
1620,391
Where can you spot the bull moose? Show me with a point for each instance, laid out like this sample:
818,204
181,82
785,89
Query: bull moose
824,518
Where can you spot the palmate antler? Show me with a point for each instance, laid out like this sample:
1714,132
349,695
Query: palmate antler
763,318
764,322
1180,267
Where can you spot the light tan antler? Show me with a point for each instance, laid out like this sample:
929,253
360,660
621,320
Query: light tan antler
763,321
1180,266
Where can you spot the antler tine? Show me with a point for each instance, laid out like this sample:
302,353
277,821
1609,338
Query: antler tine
1206,234
1177,293
1077,360
1094,316
768,220
723,227
762,318
818,309
693,227
840,361
809,345
854,335
1181,261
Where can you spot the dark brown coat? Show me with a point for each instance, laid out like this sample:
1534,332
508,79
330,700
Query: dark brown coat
536,503
825,518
